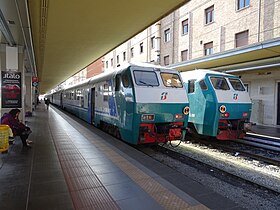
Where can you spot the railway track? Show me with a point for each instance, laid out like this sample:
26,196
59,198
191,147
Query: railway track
262,141
258,151
246,149
267,182
257,147
258,157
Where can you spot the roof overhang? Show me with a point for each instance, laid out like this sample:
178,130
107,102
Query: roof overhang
246,58
68,35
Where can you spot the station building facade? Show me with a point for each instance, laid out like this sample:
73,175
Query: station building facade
240,37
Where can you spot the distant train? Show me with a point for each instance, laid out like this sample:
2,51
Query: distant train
139,103
219,104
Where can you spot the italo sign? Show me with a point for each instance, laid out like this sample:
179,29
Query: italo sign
11,89
9,75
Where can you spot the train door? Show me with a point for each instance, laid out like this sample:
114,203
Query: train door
117,91
61,98
278,103
92,105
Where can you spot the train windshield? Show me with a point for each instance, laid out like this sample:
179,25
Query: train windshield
145,78
236,84
171,80
219,83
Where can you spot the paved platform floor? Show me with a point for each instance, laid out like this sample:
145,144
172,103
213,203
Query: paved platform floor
73,165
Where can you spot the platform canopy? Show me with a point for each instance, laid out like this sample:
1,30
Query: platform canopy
68,35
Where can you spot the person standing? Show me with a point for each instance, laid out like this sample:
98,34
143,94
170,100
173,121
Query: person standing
47,102
18,128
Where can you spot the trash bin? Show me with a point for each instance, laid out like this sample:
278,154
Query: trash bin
4,138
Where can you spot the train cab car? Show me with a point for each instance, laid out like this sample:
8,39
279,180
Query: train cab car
142,104
219,104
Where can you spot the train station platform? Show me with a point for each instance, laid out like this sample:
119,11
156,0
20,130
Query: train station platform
73,165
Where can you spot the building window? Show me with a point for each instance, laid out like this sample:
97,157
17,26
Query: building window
241,39
208,48
209,15
184,55
185,26
153,42
167,35
112,62
132,52
107,64
141,47
166,60
124,56
118,59
242,4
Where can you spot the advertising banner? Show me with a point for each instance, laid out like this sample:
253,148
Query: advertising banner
11,89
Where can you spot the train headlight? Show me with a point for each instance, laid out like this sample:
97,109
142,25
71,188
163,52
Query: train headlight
223,109
147,117
186,110
179,116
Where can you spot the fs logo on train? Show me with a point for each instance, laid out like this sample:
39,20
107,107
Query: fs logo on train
164,96
235,96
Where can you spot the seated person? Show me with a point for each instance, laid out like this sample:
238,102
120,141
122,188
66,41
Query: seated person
18,128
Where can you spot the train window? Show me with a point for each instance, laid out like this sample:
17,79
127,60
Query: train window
145,78
191,86
82,101
203,85
105,92
105,97
219,83
236,84
125,80
72,95
78,94
171,80
106,87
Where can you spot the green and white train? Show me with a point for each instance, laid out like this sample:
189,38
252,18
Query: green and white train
219,104
138,103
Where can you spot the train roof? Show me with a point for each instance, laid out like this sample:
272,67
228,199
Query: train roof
117,70
201,73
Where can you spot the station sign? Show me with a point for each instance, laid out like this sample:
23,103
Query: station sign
35,81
